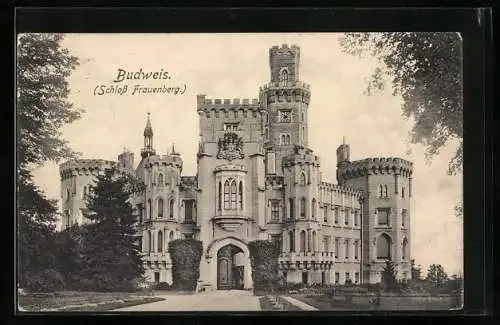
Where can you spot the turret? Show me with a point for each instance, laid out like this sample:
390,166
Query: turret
148,140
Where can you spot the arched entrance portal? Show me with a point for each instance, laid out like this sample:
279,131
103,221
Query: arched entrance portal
230,268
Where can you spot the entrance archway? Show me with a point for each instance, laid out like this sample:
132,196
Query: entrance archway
230,268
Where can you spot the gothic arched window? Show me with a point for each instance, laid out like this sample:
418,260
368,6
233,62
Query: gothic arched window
227,196
150,242
171,236
287,141
303,207
384,247
380,191
233,195
240,196
405,247
220,196
160,208
160,179
302,179
386,192
292,241
313,209
160,241
171,208
284,77
302,241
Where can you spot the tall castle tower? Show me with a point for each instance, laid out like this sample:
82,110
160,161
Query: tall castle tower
286,100
386,186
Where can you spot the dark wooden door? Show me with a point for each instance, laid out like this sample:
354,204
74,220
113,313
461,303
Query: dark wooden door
224,281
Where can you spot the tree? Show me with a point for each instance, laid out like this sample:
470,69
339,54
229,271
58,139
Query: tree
185,255
436,275
264,261
43,67
68,251
110,252
415,271
42,109
426,70
389,273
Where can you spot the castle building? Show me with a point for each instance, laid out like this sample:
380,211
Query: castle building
257,179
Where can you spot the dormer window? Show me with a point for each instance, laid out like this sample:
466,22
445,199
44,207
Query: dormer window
230,127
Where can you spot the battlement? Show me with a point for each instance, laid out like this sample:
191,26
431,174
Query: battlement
340,189
301,156
78,167
289,84
164,160
227,104
284,49
370,166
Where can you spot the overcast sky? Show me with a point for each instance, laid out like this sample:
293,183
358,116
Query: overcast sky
234,66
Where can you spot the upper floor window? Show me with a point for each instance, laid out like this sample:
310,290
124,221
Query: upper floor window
403,217
384,247
403,192
278,241
346,216
356,218
171,208
291,210
383,191
233,199
275,210
303,207
325,213
313,209
150,209
284,77
188,211
383,216
285,139
302,179
230,127
160,208
160,179
67,194
336,215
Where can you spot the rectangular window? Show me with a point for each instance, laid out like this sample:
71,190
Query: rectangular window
347,277
346,249
336,247
325,213
346,216
188,236
275,210
383,217
356,277
326,244
356,248
403,218
157,277
336,215
337,277
230,127
356,218
188,211
68,222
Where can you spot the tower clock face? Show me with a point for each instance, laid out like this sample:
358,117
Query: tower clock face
285,117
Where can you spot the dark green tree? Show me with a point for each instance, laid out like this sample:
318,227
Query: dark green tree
68,251
436,275
110,252
425,68
264,260
185,255
42,108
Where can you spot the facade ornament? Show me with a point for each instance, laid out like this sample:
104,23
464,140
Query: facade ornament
230,147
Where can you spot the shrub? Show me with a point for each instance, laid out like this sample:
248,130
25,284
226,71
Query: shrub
265,267
46,280
163,286
185,255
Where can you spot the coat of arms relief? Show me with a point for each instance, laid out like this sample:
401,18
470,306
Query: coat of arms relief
230,147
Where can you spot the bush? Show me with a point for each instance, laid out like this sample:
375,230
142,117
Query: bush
265,266
47,280
163,286
185,255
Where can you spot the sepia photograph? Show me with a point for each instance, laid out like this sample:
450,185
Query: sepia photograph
239,172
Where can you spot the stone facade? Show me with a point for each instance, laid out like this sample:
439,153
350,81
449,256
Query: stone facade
257,179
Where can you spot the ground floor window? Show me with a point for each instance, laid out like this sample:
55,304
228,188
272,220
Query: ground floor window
157,277
356,277
323,277
337,277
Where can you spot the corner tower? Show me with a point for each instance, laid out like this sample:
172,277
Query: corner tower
285,100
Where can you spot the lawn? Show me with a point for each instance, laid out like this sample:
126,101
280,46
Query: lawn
266,305
43,301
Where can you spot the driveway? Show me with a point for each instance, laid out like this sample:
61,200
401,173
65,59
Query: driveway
223,300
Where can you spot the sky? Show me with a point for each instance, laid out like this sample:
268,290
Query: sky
234,66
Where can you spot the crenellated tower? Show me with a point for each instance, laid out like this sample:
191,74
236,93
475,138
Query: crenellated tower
386,184
285,100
